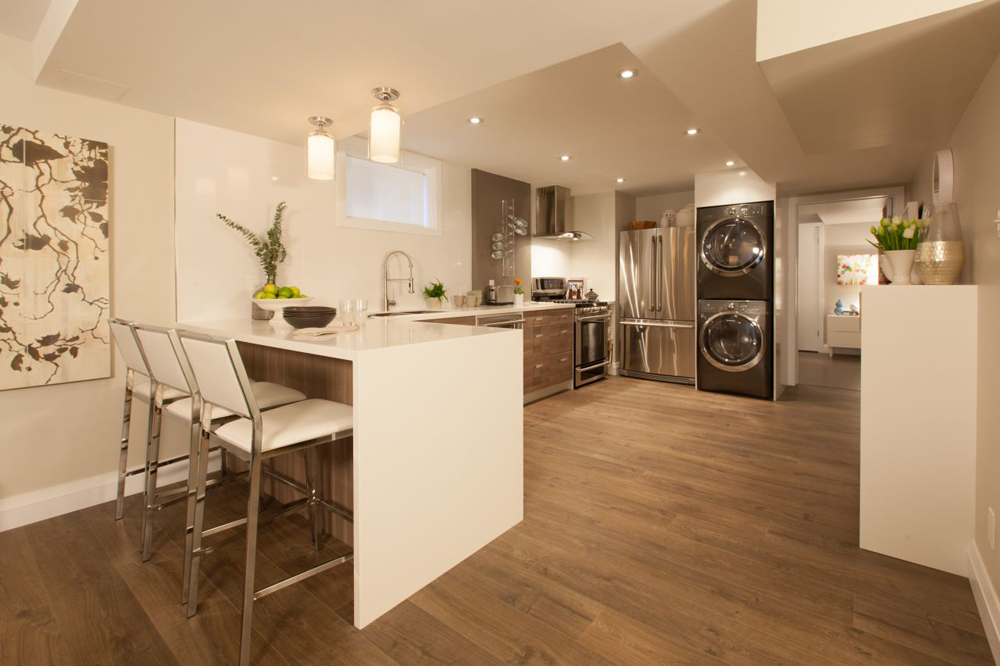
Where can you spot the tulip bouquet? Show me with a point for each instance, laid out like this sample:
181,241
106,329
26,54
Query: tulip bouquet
898,234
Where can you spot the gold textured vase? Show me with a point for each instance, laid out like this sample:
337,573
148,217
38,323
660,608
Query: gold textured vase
940,262
941,253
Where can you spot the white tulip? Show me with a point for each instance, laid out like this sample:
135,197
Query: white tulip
896,219
909,232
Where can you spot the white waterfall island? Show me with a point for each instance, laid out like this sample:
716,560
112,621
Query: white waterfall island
434,470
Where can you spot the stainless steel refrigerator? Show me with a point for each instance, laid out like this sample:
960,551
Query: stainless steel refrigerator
656,304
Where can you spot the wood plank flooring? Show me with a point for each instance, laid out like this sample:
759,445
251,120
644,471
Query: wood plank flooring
662,526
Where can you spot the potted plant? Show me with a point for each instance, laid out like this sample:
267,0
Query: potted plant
897,240
434,292
518,293
268,249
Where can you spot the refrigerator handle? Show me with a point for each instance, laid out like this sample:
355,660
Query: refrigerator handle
652,275
659,276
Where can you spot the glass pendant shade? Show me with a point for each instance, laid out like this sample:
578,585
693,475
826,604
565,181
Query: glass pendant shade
322,151
384,134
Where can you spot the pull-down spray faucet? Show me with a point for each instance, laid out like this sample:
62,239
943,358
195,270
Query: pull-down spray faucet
386,303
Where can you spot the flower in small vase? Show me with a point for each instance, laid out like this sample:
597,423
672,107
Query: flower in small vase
517,287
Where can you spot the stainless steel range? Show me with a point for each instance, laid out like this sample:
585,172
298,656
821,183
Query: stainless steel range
592,330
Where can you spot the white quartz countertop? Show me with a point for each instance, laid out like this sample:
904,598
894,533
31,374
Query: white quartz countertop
481,310
375,334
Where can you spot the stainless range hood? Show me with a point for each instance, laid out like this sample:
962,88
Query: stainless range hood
550,215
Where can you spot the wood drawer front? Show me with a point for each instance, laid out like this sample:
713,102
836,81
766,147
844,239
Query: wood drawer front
544,371
560,316
550,339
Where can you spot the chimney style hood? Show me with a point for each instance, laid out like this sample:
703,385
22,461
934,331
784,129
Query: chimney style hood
550,215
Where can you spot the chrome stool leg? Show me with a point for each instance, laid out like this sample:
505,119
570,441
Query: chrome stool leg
192,493
314,484
253,507
123,454
198,525
152,467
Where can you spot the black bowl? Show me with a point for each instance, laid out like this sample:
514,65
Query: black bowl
317,320
310,309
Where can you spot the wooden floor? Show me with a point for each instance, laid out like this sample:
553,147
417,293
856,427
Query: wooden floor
661,526
819,369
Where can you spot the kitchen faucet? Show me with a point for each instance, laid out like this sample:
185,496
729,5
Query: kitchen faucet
386,303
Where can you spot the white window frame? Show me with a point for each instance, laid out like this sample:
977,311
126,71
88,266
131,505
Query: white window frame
428,166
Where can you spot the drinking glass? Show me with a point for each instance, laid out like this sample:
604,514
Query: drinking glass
360,311
346,312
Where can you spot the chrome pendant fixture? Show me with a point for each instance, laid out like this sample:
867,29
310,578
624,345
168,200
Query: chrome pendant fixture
385,128
321,151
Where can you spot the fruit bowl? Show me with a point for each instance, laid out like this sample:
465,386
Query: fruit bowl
278,304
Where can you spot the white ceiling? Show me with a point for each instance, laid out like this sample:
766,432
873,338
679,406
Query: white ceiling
634,129
20,18
858,211
538,71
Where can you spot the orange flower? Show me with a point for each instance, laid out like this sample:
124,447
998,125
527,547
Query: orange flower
517,281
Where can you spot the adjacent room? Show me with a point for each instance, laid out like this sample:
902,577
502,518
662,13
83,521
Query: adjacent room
560,333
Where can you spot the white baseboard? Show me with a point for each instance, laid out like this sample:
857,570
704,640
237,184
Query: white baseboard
986,599
58,500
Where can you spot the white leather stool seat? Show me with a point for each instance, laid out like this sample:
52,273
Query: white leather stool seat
141,388
291,424
268,395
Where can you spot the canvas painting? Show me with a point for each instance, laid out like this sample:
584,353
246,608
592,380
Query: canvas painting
857,269
55,264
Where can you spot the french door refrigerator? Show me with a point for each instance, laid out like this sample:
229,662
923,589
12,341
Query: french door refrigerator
656,304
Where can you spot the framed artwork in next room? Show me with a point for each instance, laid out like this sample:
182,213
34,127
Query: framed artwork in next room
55,267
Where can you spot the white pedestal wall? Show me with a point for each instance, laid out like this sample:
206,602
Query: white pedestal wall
918,423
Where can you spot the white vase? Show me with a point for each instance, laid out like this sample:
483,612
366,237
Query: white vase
433,303
518,300
899,265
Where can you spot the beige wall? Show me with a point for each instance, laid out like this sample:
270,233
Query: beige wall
651,208
57,434
976,146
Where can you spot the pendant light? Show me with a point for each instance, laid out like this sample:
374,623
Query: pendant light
385,128
321,151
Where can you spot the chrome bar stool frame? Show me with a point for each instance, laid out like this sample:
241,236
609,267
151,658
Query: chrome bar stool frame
255,457
135,356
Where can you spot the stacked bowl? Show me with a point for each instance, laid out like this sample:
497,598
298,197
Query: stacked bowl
309,316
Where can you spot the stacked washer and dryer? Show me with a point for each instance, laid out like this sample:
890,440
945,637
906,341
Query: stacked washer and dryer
735,288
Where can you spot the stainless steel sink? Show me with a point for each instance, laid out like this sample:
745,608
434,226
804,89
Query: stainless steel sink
401,313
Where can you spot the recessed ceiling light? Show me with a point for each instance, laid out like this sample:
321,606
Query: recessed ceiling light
730,163
743,173
476,120
619,180
693,131
565,158
627,73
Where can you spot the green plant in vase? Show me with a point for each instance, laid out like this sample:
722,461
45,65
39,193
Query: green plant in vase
435,291
268,248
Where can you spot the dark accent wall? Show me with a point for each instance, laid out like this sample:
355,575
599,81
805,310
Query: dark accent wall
488,190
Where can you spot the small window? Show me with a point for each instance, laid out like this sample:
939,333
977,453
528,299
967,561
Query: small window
385,192
399,197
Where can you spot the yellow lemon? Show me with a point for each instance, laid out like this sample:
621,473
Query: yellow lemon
271,289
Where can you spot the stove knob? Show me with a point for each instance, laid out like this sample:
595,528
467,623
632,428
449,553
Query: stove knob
731,306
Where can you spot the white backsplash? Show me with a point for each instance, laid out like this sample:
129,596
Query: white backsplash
244,177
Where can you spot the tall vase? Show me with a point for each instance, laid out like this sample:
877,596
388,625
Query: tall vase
897,265
941,252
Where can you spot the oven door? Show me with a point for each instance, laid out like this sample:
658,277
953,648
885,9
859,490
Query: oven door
591,348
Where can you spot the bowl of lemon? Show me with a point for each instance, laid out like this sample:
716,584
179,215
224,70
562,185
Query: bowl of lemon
275,298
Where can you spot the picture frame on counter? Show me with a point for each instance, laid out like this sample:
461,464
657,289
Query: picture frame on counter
576,288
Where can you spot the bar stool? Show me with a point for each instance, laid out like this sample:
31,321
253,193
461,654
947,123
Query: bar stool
138,382
169,365
254,438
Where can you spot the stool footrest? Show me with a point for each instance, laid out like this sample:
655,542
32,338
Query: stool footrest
291,580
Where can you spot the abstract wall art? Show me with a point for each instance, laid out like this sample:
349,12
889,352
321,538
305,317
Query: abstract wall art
54,259
857,269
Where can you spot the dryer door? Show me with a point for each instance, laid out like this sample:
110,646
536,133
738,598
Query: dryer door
733,246
732,342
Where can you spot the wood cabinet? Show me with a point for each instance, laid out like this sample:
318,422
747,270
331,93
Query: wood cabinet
461,321
548,349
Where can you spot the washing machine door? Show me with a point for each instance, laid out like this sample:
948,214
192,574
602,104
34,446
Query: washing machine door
732,341
733,246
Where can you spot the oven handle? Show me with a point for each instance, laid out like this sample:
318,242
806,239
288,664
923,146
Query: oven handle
594,317
585,368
